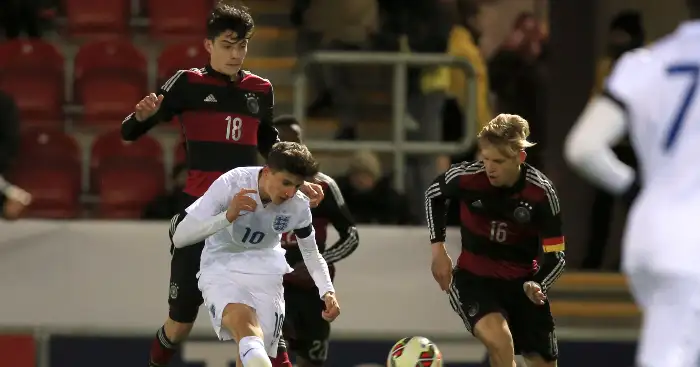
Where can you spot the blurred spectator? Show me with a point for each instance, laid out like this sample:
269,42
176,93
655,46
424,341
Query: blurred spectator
517,72
427,30
13,200
344,25
369,196
464,42
166,205
21,15
626,33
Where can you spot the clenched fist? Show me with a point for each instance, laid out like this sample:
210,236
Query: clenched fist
148,106
332,310
534,292
241,202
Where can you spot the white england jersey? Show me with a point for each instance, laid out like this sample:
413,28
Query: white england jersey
251,244
659,87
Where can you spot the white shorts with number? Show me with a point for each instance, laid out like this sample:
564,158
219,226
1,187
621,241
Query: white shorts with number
264,293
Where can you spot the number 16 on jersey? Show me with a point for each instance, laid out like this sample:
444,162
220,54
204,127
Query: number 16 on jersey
234,128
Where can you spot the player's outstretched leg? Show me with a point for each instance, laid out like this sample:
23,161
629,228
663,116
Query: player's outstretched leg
167,342
240,320
492,330
282,359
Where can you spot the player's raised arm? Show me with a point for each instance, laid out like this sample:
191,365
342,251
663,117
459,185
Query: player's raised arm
267,133
552,240
211,213
155,107
337,211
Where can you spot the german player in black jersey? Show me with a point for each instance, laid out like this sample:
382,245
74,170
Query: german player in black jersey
512,246
305,331
225,115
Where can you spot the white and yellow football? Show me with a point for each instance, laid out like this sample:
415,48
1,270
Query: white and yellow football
415,351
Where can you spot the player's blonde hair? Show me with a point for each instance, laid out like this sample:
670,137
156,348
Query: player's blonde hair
508,133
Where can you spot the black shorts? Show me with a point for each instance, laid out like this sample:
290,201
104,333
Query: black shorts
184,296
305,330
531,325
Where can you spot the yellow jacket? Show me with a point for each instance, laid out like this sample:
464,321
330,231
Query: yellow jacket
454,80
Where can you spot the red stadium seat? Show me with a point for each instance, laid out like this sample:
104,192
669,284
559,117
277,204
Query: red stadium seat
185,55
55,190
109,149
107,101
49,167
50,147
30,55
32,72
125,190
97,18
110,78
178,18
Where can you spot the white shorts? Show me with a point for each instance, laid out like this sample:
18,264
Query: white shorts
671,318
264,293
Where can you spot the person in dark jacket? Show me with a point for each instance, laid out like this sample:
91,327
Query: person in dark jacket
13,200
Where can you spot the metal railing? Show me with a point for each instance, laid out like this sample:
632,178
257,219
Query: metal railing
399,146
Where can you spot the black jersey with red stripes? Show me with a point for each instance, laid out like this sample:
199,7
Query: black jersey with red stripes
332,210
225,123
506,232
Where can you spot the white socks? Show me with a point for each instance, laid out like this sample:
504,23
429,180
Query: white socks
253,353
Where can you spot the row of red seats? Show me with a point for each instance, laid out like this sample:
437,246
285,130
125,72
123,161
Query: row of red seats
125,175
167,18
110,77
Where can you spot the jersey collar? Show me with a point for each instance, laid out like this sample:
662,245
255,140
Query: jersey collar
519,185
210,71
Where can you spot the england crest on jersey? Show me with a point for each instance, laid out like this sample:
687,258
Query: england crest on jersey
280,223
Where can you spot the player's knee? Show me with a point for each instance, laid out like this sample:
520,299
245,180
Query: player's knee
177,331
492,330
240,320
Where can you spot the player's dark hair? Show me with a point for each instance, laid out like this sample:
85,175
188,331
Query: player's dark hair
285,121
294,158
233,16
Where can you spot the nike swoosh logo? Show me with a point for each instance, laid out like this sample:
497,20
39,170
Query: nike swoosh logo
244,354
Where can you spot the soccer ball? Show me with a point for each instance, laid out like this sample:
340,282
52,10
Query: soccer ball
415,351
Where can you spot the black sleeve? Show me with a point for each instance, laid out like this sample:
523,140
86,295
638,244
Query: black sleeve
267,133
9,131
174,92
551,237
304,232
333,207
443,188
